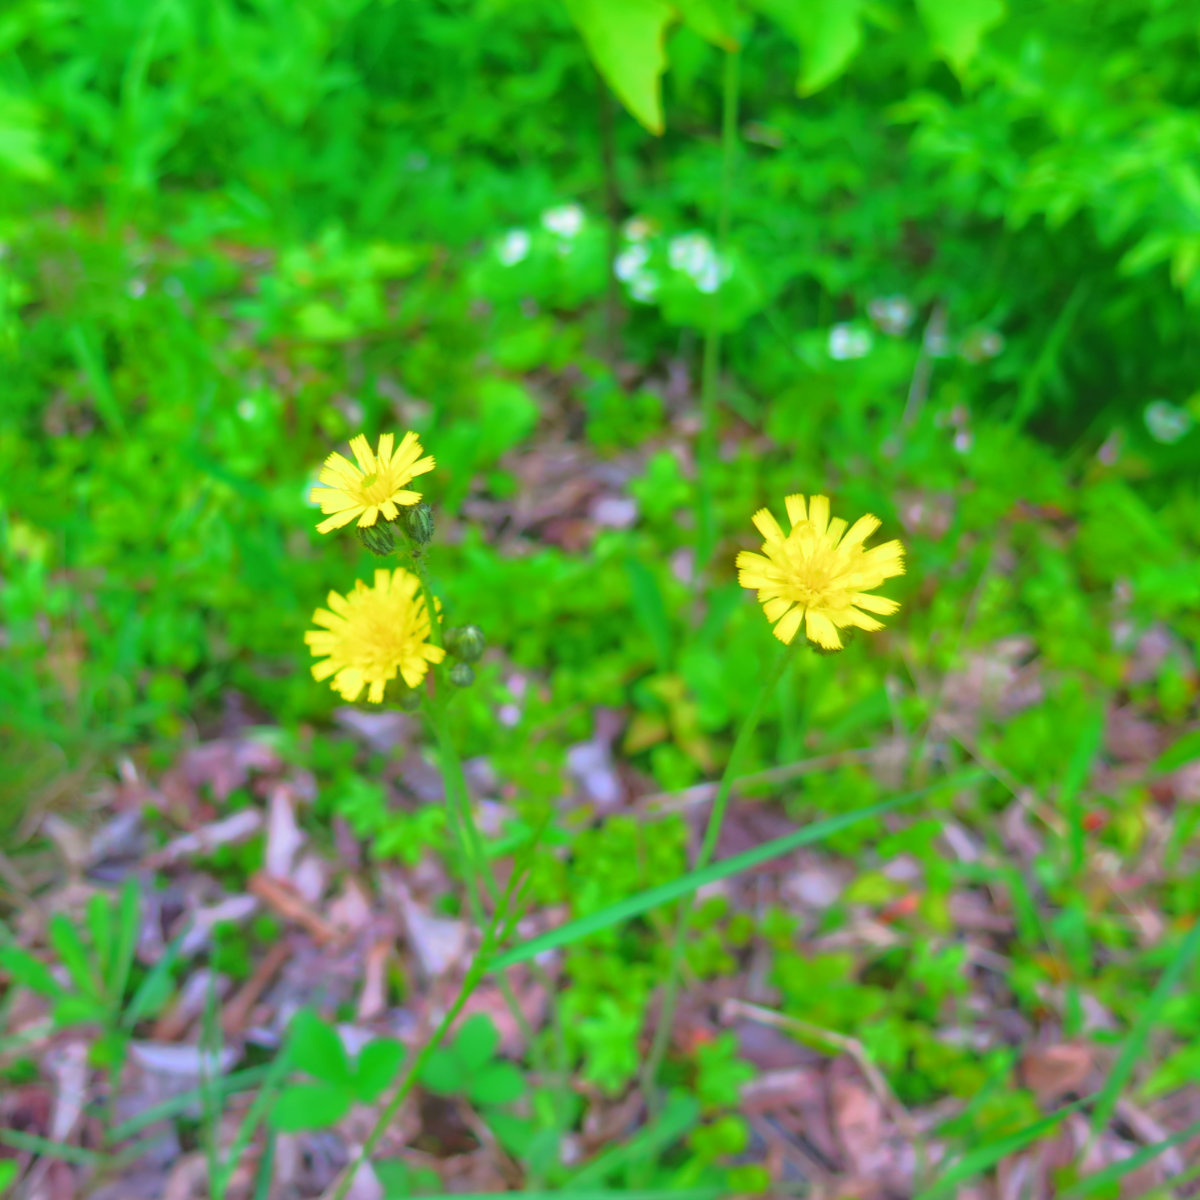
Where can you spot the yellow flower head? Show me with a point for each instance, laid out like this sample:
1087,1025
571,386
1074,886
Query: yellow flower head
373,633
374,486
819,572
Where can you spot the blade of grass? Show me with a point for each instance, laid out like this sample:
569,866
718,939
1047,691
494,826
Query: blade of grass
1082,757
976,1161
241,1081
678,1117
254,1114
1135,1044
44,1147
634,906
1117,1171
144,997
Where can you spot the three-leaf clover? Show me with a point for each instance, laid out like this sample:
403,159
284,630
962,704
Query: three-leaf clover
316,1049
470,1067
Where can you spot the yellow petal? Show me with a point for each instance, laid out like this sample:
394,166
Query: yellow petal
853,617
774,609
818,514
767,525
786,629
861,530
876,604
795,509
821,629
361,449
369,517
384,455
337,521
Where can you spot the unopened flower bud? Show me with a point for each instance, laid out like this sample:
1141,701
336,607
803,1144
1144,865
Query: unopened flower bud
468,643
409,700
417,522
379,538
461,675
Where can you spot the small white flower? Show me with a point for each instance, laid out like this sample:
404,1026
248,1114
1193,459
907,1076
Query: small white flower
247,408
643,287
136,288
638,229
513,247
690,253
710,277
892,314
566,220
848,341
629,262
980,345
1166,423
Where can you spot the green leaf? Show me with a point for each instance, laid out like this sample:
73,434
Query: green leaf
441,1073
1134,1049
29,971
983,1158
100,927
515,1134
154,991
713,20
310,1106
634,906
497,1083
8,1173
65,939
78,1010
1184,751
127,926
828,32
477,1042
957,27
1115,1172
316,1049
625,39
377,1066
650,609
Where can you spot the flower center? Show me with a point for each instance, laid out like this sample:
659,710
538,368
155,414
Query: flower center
377,487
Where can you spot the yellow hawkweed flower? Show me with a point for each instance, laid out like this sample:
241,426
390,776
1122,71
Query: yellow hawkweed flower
819,572
375,486
373,633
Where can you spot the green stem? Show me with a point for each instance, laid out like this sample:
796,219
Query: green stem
470,982
716,818
712,338
473,856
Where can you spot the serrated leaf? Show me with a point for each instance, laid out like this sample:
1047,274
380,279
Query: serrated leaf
828,32
476,1043
316,1049
497,1083
625,39
957,27
310,1106
29,971
713,20
441,1073
377,1066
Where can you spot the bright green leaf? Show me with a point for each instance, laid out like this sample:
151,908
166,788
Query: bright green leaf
1184,751
477,1042
497,1083
65,939
441,1073
317,1050
713,20
625,39
310,1106
29,971
377,1067
829,33
958,26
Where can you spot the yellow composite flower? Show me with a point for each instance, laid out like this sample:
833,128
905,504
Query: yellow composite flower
819,572
370,635
375,485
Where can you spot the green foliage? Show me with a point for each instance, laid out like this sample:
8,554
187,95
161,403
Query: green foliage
469,1066
315,1049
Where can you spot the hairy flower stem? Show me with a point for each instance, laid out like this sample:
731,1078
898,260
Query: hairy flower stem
716,818
711,363
475,867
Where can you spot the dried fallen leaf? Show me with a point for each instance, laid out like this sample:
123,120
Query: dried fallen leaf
1053,1071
